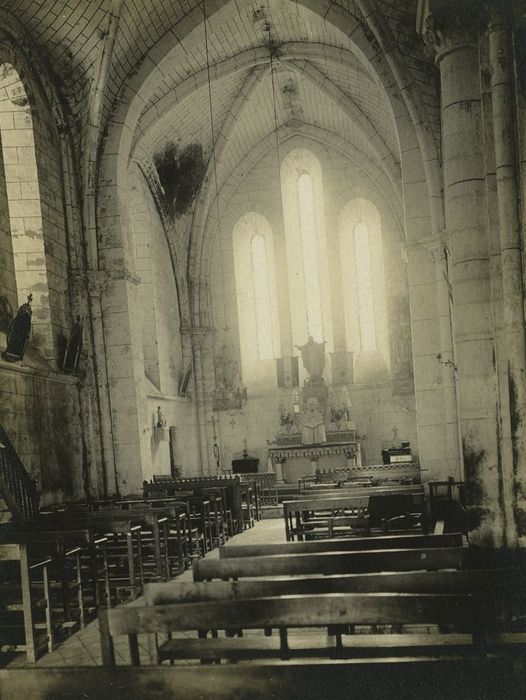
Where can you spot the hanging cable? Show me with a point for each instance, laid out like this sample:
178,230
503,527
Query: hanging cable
274,106
214,164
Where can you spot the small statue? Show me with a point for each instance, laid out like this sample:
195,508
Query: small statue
19,332
313,358
161,422
73,349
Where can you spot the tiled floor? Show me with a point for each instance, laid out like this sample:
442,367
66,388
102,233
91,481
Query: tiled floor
83,648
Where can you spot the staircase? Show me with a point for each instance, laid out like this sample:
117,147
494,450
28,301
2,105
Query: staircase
19,497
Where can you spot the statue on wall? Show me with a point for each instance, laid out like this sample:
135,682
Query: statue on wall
229,394
73,349
19,333
161,421
313,358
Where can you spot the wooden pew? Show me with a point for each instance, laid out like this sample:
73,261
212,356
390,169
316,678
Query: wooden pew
438,679
504,583
324,611
500,591
327,563
303,515
342,545
358,490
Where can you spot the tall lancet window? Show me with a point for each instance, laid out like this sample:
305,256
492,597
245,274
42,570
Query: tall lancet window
306,246
363,286
309,249
262,300
256,294
364,282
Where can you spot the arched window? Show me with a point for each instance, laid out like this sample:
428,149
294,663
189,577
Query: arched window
364,282
22,235
363,286
307,262
256,297
262,299
310,256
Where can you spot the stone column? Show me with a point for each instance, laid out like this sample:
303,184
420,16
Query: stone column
513,338
199,337
119,348
433,360
505,446
452,28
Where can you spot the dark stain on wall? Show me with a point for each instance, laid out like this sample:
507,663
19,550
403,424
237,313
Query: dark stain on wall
516,424
473,460
59,470
520,58
400,344
181,173
501,476
6,314
515,419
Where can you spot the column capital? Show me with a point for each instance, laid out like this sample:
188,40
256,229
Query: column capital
449,25
97,281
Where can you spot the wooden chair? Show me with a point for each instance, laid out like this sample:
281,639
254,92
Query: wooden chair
26,622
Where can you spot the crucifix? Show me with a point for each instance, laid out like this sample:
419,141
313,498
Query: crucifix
395,435
216,450
213,420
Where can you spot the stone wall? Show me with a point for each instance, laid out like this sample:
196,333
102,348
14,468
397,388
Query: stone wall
40,413
379,404
159,318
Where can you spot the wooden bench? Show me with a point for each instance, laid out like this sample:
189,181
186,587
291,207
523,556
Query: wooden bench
334,611
506,583
438,679
328,563
320,513
342,545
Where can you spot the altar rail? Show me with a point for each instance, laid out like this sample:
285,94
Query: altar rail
403,471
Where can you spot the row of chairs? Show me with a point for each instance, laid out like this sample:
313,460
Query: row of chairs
80,556
242,496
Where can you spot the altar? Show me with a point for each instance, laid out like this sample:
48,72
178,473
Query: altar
292,461
317,431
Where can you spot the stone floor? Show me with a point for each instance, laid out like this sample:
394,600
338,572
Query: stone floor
83,647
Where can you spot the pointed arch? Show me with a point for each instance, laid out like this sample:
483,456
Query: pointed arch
22,238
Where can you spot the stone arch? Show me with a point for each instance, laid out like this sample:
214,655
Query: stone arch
415,141
200,254
30,199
